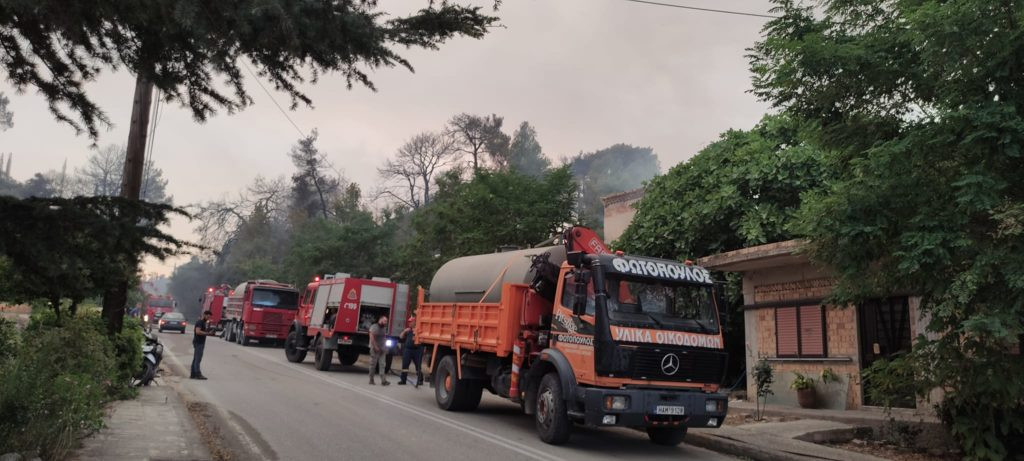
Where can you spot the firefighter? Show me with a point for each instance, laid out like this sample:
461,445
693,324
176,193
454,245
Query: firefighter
411,353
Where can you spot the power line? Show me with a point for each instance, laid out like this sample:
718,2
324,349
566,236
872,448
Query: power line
301,133
708,10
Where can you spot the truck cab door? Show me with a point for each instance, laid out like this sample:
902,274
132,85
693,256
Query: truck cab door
571,334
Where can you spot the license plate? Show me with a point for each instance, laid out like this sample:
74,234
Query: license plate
271,336
669,410
345,341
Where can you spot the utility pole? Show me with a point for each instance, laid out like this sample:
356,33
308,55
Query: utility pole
116,298
135,158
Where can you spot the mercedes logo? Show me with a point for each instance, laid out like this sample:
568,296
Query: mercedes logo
670,364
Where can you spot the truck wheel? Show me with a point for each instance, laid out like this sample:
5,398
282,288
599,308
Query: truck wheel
323,356
669,436
455,394
291,350
553,423
348,357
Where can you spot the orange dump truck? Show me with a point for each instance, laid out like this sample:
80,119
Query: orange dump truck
576,334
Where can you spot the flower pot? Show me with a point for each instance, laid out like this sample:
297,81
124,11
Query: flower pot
806,398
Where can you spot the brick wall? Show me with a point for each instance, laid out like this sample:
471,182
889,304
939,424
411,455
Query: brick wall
800,289
841,336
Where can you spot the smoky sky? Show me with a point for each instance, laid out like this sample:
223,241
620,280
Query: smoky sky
585,73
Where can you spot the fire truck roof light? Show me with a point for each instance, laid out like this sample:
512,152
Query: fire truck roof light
316,279
210,289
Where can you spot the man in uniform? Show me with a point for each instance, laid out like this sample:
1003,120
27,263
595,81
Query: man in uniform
378,349
411,353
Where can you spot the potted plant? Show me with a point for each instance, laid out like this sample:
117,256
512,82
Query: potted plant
804,387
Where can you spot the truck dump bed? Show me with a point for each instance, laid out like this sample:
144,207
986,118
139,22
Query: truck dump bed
487,327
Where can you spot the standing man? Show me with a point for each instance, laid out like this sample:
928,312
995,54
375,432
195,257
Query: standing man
198,344
411,352
378,349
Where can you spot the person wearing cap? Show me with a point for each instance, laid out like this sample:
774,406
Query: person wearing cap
411,353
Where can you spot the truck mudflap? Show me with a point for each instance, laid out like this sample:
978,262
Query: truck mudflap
652,408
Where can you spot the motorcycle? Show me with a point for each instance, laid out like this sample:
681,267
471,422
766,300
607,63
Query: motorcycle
152,355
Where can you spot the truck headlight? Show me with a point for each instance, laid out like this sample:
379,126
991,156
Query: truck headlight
714,406
389,343
616,402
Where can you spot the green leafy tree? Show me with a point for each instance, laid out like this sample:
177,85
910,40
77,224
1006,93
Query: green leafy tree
744,189
741,190
79,248
194,51
611,170
477,216
38,186
525,154
922,103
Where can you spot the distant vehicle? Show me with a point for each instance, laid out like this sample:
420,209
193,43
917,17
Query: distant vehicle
155,306
173,321
336,313
578,335
259,310
213,300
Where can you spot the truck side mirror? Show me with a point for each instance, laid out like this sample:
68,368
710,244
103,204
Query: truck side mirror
579,299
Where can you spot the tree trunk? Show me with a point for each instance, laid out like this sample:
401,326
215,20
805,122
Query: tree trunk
114,298
73,308
55,304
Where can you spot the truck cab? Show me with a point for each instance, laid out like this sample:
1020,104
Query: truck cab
260,310
650,353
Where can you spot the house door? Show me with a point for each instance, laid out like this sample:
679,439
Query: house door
884,331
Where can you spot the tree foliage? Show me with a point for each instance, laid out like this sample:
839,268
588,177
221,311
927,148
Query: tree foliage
611,170
480,137
492,209
314,184
525,154
922,102
6,116
741,190
194,51
77,248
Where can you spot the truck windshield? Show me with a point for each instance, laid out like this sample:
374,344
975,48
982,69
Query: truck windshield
661,305
276,299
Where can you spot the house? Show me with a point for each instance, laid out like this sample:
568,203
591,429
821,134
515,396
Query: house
619,212
789,323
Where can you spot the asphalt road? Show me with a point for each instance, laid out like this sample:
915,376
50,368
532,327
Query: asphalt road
291,411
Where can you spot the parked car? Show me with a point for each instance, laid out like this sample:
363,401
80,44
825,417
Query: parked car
173,321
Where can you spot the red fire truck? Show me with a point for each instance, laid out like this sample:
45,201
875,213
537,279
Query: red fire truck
336,313
155,306
259,310
213,301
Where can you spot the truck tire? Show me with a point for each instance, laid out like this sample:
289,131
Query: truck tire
455,394
668,436
291,348
348,357
322,357
553,424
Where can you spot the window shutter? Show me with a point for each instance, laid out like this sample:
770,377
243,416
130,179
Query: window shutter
812,337
786,332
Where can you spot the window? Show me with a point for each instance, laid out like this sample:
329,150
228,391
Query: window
800,331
